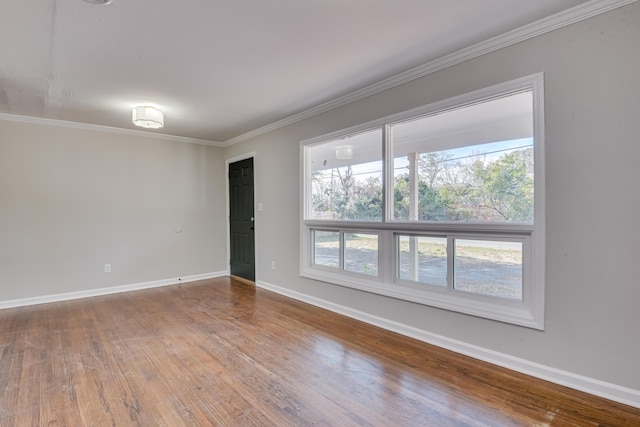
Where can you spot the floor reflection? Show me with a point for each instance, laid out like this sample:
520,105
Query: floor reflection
385,385
242,300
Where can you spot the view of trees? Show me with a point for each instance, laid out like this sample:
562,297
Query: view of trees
338,194
477,187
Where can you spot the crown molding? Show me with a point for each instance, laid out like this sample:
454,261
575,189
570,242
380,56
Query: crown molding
106,129
562,19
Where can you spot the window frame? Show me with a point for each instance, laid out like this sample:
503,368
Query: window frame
528,312
341,270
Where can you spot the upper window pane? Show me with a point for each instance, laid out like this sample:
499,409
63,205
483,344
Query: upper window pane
470,164
346,178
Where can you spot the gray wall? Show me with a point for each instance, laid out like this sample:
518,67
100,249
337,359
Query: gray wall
72,200
592,72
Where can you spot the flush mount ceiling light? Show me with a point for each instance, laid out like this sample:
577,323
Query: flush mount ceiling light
344,152
148,117
98,1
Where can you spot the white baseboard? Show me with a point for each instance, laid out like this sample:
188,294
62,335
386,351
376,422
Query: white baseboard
107,291
593,386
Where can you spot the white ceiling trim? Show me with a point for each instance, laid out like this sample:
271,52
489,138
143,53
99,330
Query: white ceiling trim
106,129
545,25
551,23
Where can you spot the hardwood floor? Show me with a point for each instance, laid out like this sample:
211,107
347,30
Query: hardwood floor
221,352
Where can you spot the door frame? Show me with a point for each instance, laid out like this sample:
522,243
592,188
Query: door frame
227,162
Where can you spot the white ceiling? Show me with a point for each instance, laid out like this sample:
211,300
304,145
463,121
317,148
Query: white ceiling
221,68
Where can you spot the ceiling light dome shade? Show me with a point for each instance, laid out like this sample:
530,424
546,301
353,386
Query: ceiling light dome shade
148,117
344,152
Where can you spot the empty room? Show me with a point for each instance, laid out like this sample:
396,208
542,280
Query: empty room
338,213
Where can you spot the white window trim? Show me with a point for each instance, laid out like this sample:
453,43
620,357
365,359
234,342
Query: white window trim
529,312
340,271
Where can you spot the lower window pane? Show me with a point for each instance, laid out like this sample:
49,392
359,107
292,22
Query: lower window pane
361,253
488,267
326,248
423,259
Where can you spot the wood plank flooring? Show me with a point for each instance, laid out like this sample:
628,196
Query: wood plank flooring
221,352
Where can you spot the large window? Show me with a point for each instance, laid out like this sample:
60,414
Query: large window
442,205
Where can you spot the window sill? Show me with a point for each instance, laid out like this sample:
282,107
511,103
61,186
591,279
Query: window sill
503,310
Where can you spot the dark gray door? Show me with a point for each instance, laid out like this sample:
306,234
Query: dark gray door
241,219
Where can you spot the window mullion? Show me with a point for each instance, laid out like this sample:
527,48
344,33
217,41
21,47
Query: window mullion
341,249
450,262
387,161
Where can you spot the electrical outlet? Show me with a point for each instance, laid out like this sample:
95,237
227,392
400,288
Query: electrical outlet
273,265
107,268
